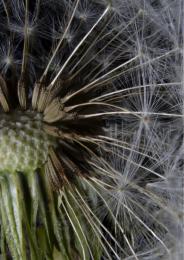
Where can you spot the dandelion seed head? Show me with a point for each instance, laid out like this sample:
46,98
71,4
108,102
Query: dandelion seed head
91,107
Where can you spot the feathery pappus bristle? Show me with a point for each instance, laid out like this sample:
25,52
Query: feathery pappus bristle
91,129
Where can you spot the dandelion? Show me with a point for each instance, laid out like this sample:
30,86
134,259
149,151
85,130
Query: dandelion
91,127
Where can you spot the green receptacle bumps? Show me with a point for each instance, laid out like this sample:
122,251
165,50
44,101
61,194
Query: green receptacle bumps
23,143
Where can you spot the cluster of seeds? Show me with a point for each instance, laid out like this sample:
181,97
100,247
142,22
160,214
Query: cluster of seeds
91,105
